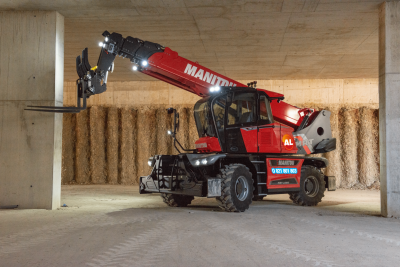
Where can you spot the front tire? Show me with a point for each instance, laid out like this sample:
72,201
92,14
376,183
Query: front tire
258,198
312,187
236,188
174,200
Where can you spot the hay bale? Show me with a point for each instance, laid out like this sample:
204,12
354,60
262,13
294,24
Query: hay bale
349,124
164,141
147,139
112,144
68,149
82,148
183,133
368,147
97,119
375,132
334,168
128,146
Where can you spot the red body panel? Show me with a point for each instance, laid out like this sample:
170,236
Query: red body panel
249,135
208,144
279,179
269,138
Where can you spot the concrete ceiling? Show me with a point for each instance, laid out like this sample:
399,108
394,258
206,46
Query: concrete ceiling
242,39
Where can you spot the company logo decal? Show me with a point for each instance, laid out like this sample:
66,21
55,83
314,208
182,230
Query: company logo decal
288,142
207,77
302,142
284,170
286,162
201,145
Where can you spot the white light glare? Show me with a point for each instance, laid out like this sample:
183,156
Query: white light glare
169,132
215,89
149,162
197,162
101,44
106,39
204,162
144,63
134,68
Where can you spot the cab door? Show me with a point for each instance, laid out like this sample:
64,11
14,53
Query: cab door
241,123
269,132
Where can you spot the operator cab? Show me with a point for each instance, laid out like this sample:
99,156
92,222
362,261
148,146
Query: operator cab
237,120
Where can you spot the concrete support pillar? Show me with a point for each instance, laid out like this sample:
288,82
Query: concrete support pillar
389,107
31,73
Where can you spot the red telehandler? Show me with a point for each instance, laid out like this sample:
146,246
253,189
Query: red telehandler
250,144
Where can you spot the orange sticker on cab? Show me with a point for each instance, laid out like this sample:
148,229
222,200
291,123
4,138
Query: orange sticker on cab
288,142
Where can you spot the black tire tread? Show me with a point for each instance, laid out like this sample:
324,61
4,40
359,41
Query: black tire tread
225,200
174,200
300,198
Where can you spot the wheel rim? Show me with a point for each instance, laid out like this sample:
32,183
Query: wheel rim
311,186
242,188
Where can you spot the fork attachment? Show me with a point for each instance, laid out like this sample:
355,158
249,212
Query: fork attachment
91,81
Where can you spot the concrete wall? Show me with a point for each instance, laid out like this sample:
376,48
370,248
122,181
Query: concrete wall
297,92
31,73
389,107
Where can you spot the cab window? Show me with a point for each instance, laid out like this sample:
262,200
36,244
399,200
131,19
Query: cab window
242,109
265,110
219,116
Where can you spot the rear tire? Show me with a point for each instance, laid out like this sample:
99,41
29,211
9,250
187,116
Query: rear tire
236,188
174,200
312,187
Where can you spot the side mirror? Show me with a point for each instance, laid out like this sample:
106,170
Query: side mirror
176,120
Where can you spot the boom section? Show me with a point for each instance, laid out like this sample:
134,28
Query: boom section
165,64
161,63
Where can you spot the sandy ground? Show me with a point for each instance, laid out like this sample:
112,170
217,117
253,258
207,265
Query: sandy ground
115,226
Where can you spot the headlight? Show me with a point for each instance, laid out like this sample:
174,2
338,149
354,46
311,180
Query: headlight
151,161
204,161
197,163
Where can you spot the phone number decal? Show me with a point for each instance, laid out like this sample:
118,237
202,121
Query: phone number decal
284,170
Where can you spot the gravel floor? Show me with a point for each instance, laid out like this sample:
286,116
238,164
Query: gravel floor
115,226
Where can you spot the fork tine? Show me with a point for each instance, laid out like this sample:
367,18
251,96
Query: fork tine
52,107
56,110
